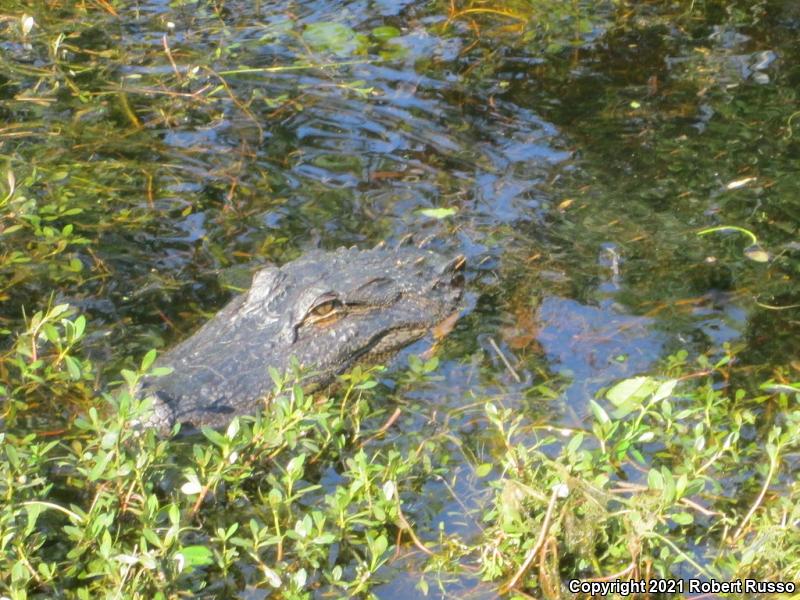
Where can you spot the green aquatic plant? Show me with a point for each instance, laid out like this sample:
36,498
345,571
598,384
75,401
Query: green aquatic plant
754,251
637,495
111,508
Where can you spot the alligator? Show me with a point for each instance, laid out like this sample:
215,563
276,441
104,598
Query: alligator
327,310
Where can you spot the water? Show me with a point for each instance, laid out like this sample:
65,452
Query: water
201,143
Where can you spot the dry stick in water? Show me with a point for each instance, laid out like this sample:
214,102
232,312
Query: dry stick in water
169,56
773,465
406,526
512,583
502,356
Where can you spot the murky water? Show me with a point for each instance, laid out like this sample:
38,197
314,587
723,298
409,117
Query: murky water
575,183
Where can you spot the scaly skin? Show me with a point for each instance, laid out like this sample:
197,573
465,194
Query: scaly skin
326,309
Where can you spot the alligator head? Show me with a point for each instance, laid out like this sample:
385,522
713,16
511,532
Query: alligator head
329,310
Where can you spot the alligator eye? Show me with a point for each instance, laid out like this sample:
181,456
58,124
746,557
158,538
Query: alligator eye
325,309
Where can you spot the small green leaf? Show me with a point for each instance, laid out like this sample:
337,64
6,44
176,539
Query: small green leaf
295,466
756,253
483,470
100,467
12,455
197,556
681,484
148,359
328,36
275,497
381,544
51,333
233,428
57,311
635,389
303,526
669,485
647,436
80,327
599,413
276,378
385,33
214,437
378,512
231,530
654,480
33,510
109,439
575,443
73,367
431,365
682,518
325,539
626,408
665,390
437,213
130,377
367,385
192,485
389,489
272,577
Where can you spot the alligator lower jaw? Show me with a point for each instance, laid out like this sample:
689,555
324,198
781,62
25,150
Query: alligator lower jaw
385,345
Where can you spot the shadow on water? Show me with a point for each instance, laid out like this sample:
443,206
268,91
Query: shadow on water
576,181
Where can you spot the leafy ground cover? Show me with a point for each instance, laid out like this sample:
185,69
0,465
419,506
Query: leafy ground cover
304,500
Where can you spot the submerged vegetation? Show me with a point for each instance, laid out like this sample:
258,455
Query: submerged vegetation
622,178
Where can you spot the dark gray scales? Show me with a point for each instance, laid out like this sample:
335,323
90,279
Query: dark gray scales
329,310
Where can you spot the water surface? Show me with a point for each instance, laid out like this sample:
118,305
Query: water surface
203,140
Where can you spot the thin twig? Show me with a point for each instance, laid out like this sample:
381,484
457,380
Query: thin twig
492,11
297,67
240,105
154,91
169,56
384,428
406,526
505,360
757,503
618,575
699,508
512,583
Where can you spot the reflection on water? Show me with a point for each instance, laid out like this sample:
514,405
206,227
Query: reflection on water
595,345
